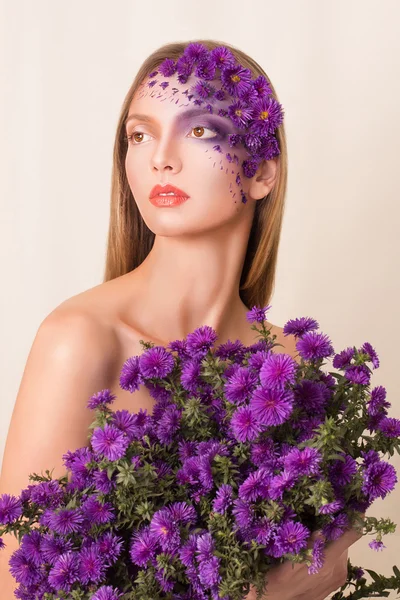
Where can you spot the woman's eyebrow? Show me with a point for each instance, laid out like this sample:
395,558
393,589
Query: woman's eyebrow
179,117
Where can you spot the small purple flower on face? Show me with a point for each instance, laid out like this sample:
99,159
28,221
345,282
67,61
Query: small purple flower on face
239,114
358,374
318,557
267,115
10,508
203,89
379,479
278,370
245,425
292,537
131,378
390,427
236,80
271,407
199,342
262,86
342,472
205,68
240,385
143,547
167,67
303,462
343,359
376,545
156,362
250,167
378,404
101,399
366,348
314,346
257,315
223,499
109,442
196,51
223,57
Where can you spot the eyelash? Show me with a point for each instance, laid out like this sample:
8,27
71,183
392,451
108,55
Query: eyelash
128,138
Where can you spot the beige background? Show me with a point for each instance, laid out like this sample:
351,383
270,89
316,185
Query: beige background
65,68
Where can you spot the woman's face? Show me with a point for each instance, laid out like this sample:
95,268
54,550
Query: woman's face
175,145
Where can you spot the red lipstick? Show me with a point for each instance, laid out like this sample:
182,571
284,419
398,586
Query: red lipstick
167,195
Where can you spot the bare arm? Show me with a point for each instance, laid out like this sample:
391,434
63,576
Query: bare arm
70,360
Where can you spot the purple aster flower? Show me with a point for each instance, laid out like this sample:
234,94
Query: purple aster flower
378,404
370,457
366,348
110,546
336,527
342,472
200,341
165,530
10,508
22,569
107,592
303,462
252,142
130,377
314,346
250,166
298,327
257,359
223,57
261,530
143,547
236,80
240,385
47,494
357,573
280,483
52,547
209,572
267,114
359,374
166,584
31,544
330,508
343,359
390,427
125,421
179,346
245,425
376,545
255,485
65,571
196,51
262,86
110,442
231,350
206,69
263,453
310,395
66,520
101,399
187,552
205,546
239,113
190,377
186,449
243,513
182,512
203,89
379,479
271,406
318,556
257,315
292,537
278,370
223,499
167,67
91,566
98,512
156,362
169,424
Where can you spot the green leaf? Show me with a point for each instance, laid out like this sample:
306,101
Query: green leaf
396,571
374,575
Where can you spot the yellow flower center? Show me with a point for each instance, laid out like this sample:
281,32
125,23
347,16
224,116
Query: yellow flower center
235,78
238,112
264,115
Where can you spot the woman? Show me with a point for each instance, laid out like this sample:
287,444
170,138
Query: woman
196,212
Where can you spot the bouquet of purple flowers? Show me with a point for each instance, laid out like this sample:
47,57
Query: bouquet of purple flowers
246,454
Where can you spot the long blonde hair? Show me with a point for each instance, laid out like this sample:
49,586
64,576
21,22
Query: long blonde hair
129,238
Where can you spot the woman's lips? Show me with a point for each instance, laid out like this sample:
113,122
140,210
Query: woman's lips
167,195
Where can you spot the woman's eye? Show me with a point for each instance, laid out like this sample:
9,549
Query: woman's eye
132,138
199,131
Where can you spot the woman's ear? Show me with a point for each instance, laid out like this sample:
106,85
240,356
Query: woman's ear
264,179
